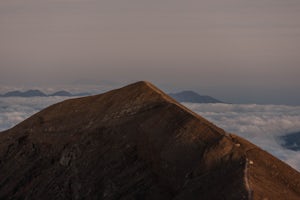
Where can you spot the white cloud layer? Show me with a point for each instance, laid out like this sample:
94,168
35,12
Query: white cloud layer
14,109
261,124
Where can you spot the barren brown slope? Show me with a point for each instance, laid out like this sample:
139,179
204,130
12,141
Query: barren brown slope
134,143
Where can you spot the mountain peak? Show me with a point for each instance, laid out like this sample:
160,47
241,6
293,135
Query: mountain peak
142,87
135,142
144,92
142,83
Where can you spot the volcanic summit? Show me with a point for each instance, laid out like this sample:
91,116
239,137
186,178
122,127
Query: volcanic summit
135,143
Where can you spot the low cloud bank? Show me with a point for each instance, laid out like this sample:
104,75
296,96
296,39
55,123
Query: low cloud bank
14,110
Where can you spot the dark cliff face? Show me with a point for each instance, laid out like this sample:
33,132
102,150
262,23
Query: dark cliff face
134,143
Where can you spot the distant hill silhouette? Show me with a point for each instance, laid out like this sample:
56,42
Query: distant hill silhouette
38,93
135,143
61,93
291,141
29,93
193,97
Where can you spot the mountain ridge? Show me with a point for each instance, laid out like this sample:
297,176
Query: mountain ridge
135,142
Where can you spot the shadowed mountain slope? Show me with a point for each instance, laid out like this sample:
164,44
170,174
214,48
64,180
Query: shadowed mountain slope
135,143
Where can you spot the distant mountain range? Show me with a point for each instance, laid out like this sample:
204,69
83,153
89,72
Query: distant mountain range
184,96
193,97
38,93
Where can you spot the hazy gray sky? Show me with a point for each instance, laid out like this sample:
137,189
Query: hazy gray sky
235,50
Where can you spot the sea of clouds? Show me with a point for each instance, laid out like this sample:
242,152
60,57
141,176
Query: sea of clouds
16,109
261,124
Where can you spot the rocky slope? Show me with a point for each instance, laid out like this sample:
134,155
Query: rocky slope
135,143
